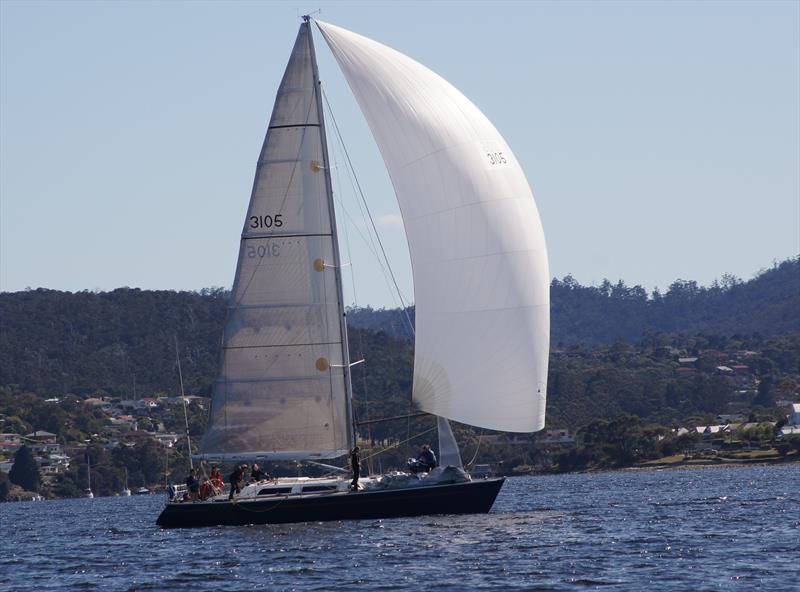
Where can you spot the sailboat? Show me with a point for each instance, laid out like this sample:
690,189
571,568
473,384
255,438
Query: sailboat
481,287
126,492
88,493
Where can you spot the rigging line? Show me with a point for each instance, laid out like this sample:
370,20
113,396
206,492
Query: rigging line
374,237
369,244
183,398
398,444
372,221
478,447
368,422
369,241
350,175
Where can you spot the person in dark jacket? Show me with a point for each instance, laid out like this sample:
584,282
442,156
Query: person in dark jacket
256,474
427,458
236,479
355,464
192,485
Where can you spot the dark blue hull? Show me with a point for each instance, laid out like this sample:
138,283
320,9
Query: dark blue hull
474,497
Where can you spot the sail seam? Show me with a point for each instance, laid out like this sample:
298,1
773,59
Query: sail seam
293,125
256,236
278,305
471,204
273,379
283,345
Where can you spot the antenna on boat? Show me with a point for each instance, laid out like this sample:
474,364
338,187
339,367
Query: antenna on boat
183,398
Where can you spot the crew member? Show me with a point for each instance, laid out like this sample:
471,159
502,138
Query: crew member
192,485
256,474
236,479
216,480
427,458
355,463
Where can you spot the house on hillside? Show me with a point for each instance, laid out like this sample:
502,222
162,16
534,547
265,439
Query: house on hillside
712,430
165,439
97,403
556,437
41,437
55,464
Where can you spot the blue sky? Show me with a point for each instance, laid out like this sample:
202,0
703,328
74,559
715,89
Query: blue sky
661,140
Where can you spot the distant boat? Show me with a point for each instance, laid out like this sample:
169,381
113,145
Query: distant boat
126,492
481,286
88,493
143,491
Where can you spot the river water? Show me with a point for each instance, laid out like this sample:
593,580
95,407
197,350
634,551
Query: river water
716,529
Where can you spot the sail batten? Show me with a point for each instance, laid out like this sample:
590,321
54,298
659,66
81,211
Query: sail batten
279,393
478,255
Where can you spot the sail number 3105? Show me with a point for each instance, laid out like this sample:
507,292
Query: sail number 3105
267,221
496,158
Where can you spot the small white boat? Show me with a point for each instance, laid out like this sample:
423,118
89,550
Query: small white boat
143,491
126,492
88,492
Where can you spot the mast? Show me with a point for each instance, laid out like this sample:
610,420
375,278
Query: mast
337,267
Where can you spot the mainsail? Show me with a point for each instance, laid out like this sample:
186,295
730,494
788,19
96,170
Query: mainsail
282,392
481,278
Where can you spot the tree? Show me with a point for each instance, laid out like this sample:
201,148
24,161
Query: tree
5,486
25,471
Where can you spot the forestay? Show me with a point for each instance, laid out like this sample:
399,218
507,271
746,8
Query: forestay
481,279
281,390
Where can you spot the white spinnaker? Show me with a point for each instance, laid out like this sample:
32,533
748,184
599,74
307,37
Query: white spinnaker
281,392
481,278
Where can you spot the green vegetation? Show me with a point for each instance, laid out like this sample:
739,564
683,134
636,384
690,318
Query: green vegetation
25,471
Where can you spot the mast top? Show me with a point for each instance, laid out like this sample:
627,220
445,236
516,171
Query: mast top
307,17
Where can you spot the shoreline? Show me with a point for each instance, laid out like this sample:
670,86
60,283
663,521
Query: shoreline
674,466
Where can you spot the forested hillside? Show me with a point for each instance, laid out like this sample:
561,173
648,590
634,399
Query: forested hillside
52,342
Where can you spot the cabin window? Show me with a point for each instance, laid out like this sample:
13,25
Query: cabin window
275,491
313,488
